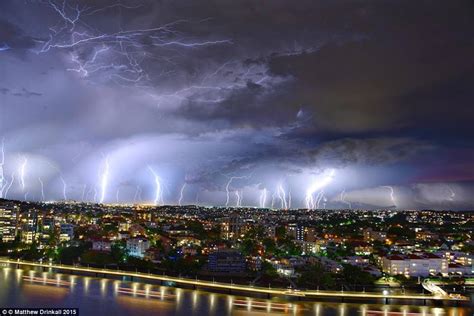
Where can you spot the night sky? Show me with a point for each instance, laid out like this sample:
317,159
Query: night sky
336,104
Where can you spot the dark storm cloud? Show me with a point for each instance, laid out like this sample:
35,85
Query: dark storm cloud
14,38
374,151
22,93
213,89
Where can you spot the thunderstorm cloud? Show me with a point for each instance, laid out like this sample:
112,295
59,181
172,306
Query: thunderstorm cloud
238,98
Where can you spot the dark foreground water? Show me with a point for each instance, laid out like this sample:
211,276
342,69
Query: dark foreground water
96,296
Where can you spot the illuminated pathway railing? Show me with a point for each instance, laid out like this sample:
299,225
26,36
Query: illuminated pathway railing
241,288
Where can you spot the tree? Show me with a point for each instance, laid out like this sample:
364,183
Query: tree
119,252
197,229
268,270
270,246
70,255
356,276
96,258
315,277
248,247
280,232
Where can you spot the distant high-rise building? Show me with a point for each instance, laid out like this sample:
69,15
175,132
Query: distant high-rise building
301,232
232,227
8,222
66,232
29,229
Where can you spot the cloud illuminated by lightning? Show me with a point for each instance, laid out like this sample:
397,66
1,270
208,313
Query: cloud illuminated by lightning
125,48
452,194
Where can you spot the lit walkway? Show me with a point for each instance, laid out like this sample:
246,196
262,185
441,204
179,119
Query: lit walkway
241,288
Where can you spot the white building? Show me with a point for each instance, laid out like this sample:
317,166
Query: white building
415,265
138,246
102,245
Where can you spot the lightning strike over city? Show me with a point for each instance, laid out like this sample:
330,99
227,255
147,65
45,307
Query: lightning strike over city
263,198
316,187
181,194
256,157
158,200
104,180
22,172
2,171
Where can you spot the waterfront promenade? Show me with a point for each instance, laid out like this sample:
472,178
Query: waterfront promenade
239,288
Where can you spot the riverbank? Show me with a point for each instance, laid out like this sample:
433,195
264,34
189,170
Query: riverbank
385,297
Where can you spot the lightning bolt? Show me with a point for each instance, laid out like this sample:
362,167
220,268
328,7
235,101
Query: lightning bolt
281,194
263,198
238,197
4,47
2,164
23,172
117,195
95,194
289,199
10,185
189,45
104,179
228,185
158,191
317,186
392,194
42,189
452,194
181,194
138,193
84,193
63,181
319,199
125,48
64,187
343,199
197,198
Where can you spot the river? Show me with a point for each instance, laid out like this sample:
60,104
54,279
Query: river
97,296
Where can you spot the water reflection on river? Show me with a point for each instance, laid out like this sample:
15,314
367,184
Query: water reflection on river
96,296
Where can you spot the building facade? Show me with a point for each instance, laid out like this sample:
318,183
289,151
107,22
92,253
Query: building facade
415,265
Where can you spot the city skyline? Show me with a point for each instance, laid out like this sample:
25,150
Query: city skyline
321,105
